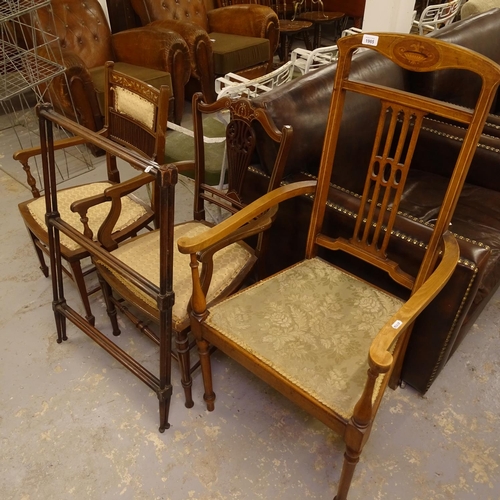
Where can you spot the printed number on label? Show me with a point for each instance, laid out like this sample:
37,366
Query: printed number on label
370,40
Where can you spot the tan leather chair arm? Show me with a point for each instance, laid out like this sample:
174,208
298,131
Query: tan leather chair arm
200,52
246,20
160,49
82,96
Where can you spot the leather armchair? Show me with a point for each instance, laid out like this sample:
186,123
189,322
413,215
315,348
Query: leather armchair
155,56
229,39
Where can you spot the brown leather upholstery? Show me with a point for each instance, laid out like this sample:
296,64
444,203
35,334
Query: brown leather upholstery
87,43
197,26
303,104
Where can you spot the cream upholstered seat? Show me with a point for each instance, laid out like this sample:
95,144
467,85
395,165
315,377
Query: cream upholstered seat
325,339
132,210
135,116
142,254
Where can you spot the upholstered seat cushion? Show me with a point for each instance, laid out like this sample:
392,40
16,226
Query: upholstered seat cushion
235,52
154,77
142,255
281,321
132,210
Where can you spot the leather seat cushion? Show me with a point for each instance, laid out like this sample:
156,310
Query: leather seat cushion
234,52
154,77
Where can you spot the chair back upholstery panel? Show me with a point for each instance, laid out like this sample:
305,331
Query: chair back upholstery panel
192,11
246,20
82,28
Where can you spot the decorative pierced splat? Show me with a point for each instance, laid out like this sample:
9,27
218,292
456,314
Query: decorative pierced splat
240,144
241,141
395,141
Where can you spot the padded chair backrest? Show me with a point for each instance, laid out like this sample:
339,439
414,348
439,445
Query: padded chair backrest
136,114
398,126
241,142
82,28
192,11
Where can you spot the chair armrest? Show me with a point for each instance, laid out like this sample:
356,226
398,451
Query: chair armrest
23,156
113,194
380,357
160,49
245,216
200,52
246,20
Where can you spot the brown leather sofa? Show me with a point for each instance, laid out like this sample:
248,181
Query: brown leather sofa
303,104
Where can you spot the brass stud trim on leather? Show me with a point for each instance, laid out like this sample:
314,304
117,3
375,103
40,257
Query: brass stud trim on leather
448,335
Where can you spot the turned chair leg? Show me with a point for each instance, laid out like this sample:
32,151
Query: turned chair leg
206,371
110,305
351,459
76,271
36,242
182,348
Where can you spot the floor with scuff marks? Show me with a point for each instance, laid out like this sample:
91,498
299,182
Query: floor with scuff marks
75,424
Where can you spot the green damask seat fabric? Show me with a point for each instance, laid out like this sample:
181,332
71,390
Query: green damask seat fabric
326,358
132,210
235,52
142,254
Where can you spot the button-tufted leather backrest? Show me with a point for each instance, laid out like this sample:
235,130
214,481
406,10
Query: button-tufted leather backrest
82,28
192,11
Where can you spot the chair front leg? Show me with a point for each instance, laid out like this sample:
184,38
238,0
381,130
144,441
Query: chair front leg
76,271
206,371
182,348
198,314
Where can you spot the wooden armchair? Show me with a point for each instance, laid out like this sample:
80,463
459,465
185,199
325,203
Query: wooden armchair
238,38
324,338
157,57
225,266
135,117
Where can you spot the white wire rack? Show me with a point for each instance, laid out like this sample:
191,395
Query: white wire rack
28,64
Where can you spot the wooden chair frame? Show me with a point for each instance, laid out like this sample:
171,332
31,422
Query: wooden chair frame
241,143
400,119
122,129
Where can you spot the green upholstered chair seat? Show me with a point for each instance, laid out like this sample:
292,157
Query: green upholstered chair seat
327,359
142,255
132,210
154,77
234,52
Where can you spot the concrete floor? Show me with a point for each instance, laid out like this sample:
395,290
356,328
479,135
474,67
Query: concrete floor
75,424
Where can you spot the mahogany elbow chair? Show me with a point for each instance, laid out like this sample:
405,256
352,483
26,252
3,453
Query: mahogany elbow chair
226,266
